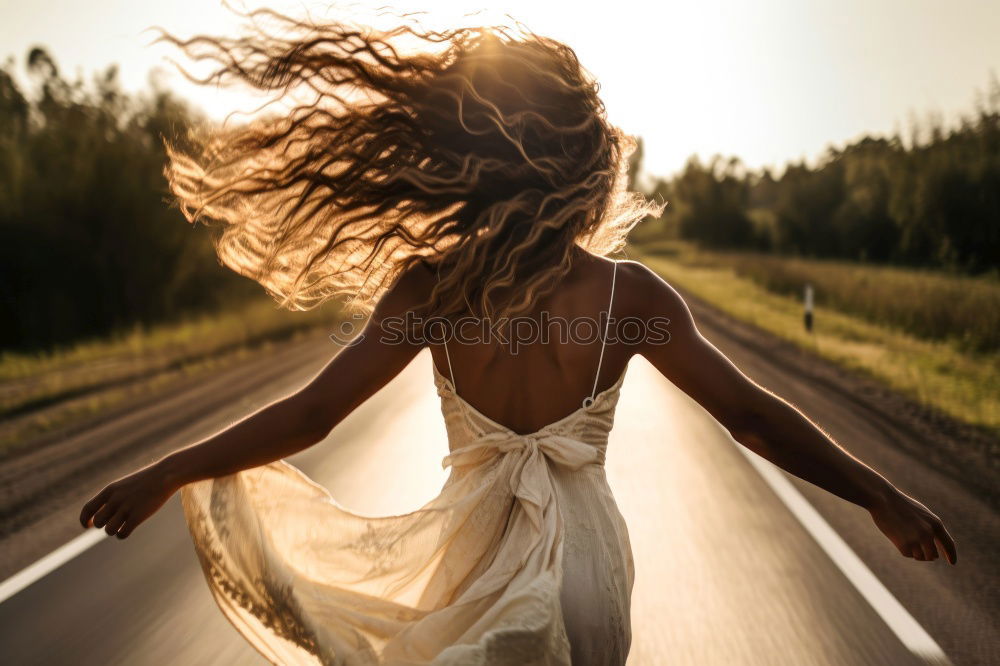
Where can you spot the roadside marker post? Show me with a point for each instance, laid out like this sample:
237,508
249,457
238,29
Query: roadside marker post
808,319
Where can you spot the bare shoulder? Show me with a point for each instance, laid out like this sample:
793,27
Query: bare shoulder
664,316
642,292
407,293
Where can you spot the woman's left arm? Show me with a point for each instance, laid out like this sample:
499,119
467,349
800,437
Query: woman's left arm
775,429
276,431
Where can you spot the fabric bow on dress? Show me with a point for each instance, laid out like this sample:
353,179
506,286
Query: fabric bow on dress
531,482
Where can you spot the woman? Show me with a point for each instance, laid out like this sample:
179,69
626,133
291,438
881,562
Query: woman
465,190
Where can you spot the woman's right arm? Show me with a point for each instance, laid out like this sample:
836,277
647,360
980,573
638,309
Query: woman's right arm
275,431
301,419
776,430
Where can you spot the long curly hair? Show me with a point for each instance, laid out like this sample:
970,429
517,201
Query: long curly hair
484,151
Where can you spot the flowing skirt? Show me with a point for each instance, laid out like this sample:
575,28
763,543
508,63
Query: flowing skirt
489,572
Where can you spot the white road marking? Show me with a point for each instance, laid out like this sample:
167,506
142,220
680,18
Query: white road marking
899,620
50,563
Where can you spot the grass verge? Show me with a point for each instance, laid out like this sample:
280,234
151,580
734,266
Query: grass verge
944,374
40,393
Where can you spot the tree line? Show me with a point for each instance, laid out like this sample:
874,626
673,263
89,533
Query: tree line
929,200
88,244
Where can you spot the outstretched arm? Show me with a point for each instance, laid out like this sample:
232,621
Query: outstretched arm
276,431
776,430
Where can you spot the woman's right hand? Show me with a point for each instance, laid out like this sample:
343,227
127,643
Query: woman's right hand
913,528
121,506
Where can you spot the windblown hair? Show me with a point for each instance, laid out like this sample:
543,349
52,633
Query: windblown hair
485,152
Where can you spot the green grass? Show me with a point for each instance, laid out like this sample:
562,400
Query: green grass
41,392
927,304
257,319
946,374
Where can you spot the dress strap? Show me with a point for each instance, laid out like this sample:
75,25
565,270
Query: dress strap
589,400
451,373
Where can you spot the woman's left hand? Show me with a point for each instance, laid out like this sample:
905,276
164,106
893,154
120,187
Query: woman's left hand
125,504
913,528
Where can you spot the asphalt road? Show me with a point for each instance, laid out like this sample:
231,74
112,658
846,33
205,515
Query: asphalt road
725,574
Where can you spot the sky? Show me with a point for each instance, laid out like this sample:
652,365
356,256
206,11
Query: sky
768,81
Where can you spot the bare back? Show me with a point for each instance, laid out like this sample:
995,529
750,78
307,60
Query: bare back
547,362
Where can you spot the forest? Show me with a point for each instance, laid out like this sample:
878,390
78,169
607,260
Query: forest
88,243
929,200
90,247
